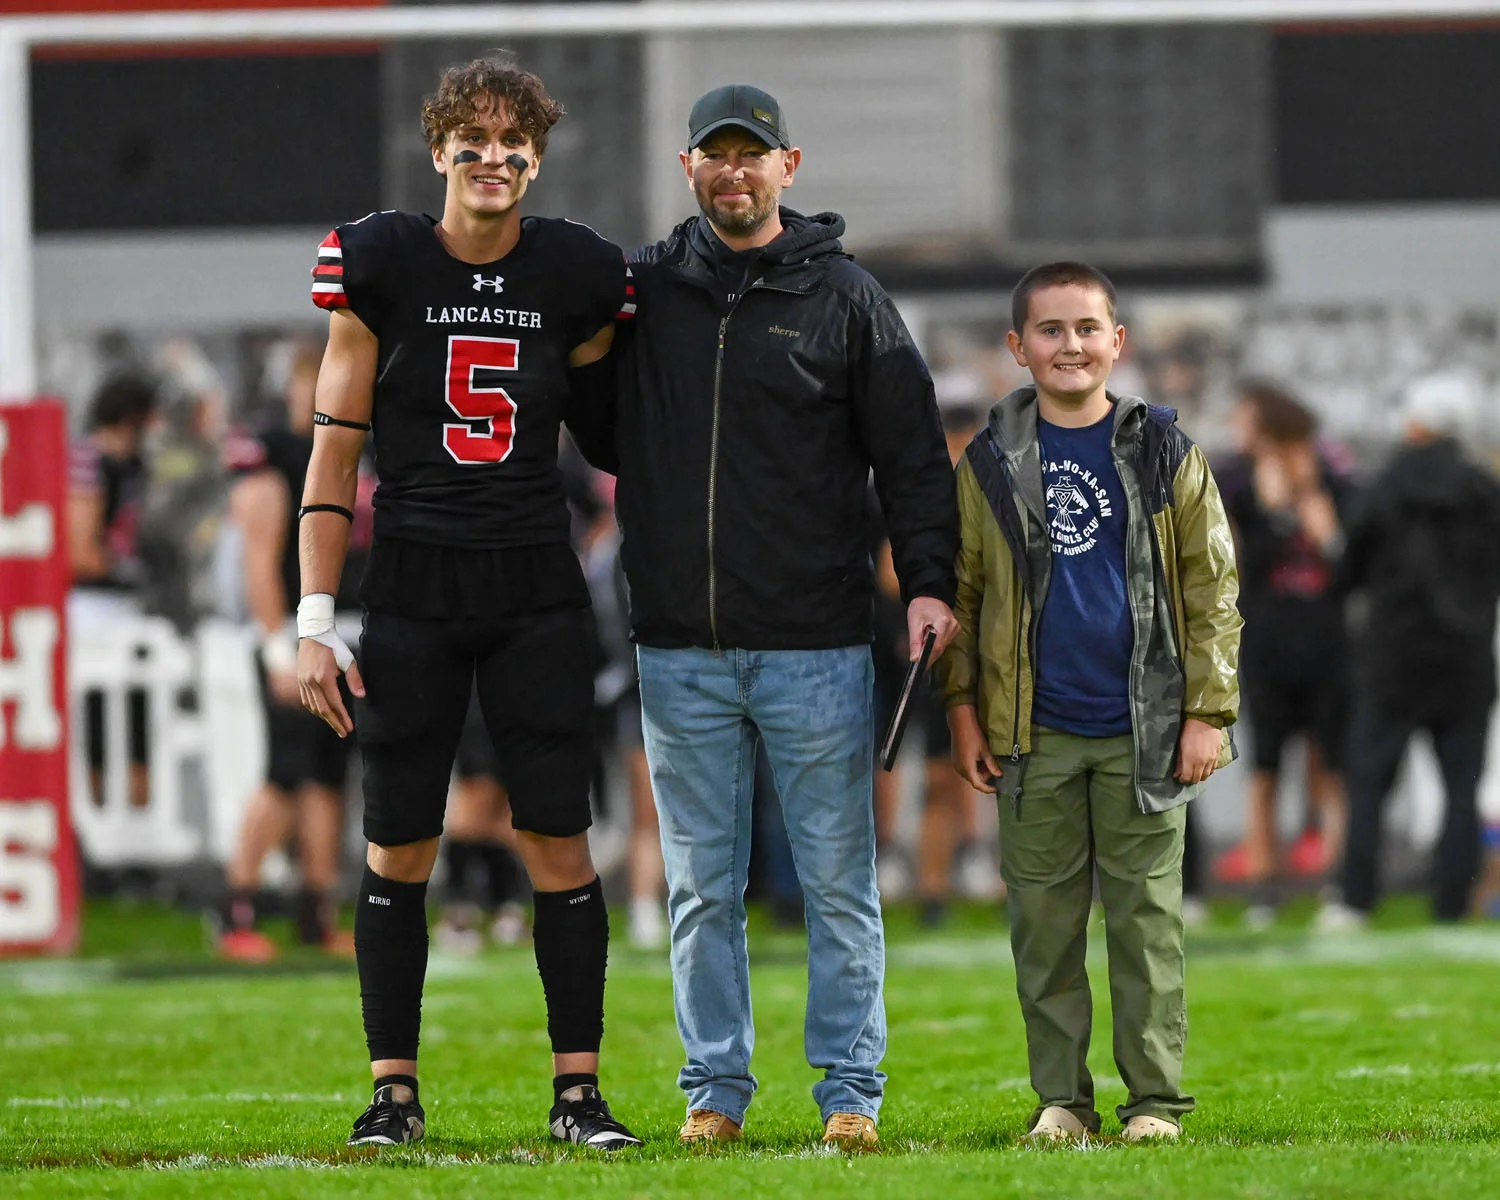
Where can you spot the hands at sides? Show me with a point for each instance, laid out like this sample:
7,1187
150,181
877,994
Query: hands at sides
322,656
971,754
1197,751
927,612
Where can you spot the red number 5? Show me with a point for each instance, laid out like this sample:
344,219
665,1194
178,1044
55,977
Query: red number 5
489,413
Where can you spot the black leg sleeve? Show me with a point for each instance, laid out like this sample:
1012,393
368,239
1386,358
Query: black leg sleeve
571,936
390,949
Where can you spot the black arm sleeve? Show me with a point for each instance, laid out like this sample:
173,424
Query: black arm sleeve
589,412
897,415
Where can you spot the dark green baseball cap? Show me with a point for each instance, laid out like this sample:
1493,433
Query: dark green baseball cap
741,105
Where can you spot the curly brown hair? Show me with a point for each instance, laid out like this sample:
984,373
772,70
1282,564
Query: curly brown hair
467,88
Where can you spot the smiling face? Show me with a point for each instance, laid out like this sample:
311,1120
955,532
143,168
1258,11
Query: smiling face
1069,344
472,157
738,180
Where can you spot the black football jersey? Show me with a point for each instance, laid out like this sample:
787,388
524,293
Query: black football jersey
472,369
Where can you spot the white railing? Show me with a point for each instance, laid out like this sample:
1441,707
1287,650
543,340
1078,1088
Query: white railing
205,739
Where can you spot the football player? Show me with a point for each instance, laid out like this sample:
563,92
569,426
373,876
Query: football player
463,342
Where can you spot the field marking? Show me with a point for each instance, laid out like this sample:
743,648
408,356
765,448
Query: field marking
180,1098
36,1041
1332,1016
1474,944
1404,1071
1477,944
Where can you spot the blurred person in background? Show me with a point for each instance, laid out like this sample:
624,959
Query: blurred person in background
618,699
1423,551
483,875
106,485
302,797
191,466
1288,513
107,480
764,377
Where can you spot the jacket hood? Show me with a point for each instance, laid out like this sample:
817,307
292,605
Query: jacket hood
1013,419
801,238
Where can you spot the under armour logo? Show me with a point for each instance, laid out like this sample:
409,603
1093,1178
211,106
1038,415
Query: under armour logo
480,283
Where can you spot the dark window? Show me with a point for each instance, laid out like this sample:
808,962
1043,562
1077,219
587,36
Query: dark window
1366,117
288,139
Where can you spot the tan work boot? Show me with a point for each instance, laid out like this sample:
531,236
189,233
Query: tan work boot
1143,1128
1057,1124
704,1127
850,1131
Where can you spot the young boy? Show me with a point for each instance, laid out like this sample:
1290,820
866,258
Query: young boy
1092,685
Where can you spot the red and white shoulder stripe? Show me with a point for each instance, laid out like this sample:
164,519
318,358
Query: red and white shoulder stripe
627,310
328,275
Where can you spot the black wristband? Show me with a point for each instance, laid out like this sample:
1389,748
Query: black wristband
325,419
333,508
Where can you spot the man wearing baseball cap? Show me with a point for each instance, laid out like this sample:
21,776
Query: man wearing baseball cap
763,378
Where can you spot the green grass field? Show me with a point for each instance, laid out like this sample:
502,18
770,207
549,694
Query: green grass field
1360,1067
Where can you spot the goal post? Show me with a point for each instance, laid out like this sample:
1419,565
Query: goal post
20,35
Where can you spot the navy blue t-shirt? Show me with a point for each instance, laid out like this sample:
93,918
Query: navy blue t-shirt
1085,636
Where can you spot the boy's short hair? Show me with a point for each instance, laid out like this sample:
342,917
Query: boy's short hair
466,88
1057,274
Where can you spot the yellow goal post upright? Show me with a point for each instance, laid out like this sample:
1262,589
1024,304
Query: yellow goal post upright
19,36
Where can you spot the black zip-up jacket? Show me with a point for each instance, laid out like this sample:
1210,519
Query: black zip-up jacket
746,433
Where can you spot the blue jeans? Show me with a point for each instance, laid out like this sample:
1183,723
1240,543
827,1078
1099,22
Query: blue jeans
701,713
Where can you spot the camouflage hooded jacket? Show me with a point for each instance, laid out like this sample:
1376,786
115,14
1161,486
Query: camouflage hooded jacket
1180,573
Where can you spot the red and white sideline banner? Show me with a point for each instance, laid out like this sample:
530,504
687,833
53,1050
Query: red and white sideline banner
39,884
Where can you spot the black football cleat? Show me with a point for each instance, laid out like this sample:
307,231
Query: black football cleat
389,1123
588,1122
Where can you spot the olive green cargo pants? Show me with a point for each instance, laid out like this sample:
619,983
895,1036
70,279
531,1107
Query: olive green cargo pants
1076,813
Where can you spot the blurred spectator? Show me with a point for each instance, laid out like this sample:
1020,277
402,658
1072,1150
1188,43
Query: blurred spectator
483,874
1425,551
187,491
1288,509
618,699
106,488
303,793
106,482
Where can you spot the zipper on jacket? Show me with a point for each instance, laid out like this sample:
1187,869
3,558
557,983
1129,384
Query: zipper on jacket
1022,575
713,453
713,486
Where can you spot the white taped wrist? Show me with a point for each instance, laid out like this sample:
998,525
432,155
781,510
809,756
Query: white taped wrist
314,614
315,622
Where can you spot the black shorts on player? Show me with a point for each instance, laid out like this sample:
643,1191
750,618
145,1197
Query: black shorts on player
534,671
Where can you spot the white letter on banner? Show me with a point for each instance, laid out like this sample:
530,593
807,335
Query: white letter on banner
30,895
26,678
28,534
